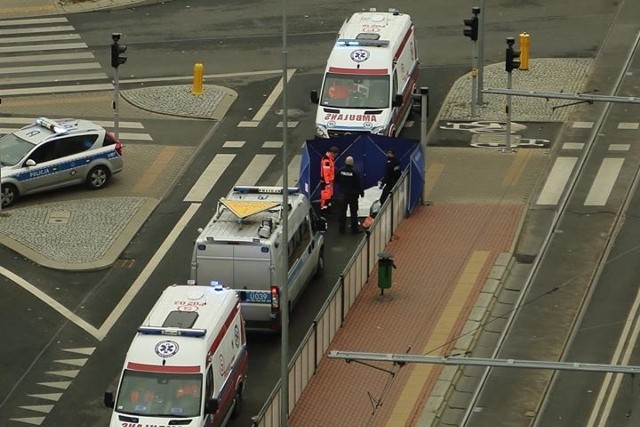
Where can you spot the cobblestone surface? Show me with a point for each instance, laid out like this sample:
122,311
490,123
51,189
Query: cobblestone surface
76,233
178,100
566,75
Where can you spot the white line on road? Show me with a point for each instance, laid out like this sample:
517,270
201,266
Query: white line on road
47,38
42,47
256,168
48,68
50,57
65,312
11,22
556,180
292,171
273,97
209,177
148,269
56,89
36,30
604,182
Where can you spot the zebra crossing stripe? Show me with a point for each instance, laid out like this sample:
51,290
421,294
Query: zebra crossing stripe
56,89
46,58
33,21
556,180
209,177
43,47
293,171
47,79
604,182
256,168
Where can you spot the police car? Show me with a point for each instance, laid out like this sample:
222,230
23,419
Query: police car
52,154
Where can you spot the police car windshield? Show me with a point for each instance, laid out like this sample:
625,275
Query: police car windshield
13,149
355,91
155,394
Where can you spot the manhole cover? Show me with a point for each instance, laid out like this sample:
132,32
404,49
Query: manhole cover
58,217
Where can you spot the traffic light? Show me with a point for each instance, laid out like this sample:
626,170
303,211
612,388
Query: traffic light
472,24
117,51
512,58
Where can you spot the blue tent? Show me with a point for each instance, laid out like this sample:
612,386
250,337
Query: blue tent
368,152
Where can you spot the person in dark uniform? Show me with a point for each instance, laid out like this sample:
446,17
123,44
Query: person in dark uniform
392,173
350,184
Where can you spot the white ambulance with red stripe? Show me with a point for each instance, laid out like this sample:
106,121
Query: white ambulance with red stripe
370,78
187,364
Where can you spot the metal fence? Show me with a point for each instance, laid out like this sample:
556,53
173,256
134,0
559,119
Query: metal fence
342,297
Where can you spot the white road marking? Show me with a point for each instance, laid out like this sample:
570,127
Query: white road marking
209,177
256,168
604,181
573,146
556,181
148,269
55,305
293,171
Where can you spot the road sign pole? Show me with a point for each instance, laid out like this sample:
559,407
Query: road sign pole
116,104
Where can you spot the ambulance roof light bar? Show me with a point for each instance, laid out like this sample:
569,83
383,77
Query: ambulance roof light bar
150,330
362,42
264,189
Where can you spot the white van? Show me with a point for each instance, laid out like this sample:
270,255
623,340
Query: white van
187,364
370,78
241,247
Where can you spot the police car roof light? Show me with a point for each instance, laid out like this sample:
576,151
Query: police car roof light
51,125
149,330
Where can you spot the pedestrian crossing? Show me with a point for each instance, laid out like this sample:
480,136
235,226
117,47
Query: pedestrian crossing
46,56
254,174
128,131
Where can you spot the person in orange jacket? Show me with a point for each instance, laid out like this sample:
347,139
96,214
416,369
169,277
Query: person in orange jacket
327,176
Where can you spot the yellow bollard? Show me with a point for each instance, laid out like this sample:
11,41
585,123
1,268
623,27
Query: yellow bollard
198,73
524,51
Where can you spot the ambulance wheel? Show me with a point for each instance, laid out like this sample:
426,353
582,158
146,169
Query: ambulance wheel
320,266
9,194
97,177
237,404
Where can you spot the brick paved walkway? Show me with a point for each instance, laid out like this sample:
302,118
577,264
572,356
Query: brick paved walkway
443,254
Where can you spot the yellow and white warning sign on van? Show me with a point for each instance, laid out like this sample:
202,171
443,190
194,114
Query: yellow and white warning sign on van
245,208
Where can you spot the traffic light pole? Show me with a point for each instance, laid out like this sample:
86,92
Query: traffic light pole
507,148
116,107
117,59
480,54
471,31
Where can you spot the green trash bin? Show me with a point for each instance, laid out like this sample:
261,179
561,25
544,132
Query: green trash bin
385,269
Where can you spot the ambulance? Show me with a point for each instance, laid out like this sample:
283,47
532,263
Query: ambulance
242,246
370,77
187,363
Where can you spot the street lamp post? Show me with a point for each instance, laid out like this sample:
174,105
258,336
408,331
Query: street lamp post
284,298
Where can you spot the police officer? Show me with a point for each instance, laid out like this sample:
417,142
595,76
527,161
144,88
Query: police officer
392,173
327,176
348,179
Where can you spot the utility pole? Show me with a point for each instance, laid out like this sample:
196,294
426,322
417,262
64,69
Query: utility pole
481,54
117,59
284,298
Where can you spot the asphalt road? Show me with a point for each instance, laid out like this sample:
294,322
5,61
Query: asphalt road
224,38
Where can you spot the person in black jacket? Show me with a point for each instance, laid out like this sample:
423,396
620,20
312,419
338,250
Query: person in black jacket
350,184
392,173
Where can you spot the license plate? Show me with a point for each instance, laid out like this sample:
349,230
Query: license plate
258,297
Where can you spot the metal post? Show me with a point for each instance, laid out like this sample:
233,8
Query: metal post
284,299
507,148
116,95
480,54
424,114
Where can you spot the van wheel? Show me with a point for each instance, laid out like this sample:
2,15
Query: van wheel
320,266
237,404
97,177
9,194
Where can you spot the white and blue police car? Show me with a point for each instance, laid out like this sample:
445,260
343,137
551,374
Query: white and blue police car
52,154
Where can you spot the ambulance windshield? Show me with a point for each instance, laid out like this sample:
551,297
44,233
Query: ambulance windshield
155,394
355,91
